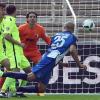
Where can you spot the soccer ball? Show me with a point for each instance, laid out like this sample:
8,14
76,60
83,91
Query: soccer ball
88,25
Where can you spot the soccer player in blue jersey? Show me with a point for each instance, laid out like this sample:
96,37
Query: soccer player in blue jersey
61,44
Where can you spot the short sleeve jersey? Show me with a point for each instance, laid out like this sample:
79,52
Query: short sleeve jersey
31,36
10,27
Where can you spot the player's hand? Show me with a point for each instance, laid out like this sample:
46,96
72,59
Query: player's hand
63,64
31,77
83,67
22,45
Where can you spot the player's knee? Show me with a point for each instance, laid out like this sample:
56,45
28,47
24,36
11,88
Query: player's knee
6,64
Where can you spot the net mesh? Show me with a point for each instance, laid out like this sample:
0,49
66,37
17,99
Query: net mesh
52,14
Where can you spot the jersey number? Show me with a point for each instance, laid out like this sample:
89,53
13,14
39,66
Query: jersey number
58,41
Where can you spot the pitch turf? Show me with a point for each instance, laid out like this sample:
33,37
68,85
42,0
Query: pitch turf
57,97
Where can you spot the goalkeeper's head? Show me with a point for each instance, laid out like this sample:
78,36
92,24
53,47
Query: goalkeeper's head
31,18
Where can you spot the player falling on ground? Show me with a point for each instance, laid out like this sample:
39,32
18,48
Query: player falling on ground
61,43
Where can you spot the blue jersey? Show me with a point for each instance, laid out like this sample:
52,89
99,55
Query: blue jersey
58,49
60,45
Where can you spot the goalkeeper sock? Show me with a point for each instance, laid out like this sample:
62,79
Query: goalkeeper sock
22,83
12,87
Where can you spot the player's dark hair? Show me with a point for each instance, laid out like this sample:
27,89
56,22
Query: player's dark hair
10,9
27,16
2,5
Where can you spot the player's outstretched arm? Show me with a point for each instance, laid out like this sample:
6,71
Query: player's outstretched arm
63,64
74,53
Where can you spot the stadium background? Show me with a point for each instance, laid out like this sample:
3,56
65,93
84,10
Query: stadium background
52,14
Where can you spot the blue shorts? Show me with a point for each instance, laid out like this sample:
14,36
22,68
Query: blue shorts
43,69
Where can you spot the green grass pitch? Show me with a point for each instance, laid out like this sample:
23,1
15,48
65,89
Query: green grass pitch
56,97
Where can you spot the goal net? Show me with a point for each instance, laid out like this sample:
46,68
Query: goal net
53,14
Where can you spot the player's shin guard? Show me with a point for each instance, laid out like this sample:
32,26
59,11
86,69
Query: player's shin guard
16,75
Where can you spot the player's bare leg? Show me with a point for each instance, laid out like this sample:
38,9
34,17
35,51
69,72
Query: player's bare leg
41,86
41,89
